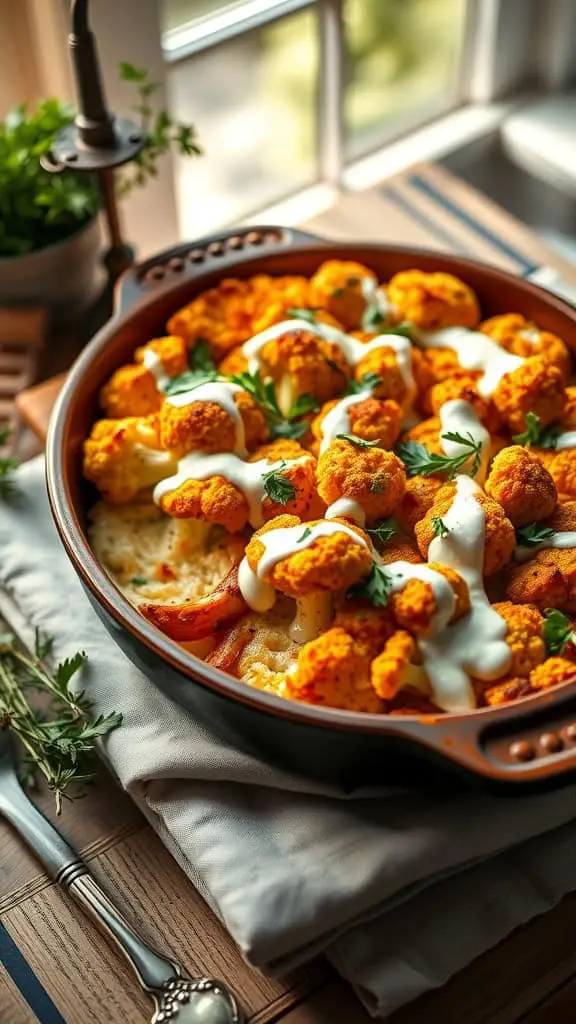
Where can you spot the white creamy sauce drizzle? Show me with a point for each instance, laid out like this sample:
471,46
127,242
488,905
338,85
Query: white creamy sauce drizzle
346,508
280,544
153,363
374,295
246,476
475,351
460,417
352,349
560,541
220,393
566,440
337,421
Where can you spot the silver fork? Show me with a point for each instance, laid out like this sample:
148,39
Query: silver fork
177,999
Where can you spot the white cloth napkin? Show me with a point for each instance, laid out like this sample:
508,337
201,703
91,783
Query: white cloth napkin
401,889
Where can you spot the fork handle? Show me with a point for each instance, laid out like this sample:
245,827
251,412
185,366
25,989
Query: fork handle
70,871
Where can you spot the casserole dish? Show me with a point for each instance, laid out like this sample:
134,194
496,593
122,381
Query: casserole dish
533,741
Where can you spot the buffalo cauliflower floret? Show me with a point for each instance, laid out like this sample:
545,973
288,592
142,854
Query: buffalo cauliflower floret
300,363
536,387
564,518
368,626
561,466
333,670
337,287
171,352
521,484
524,636
372,419
433,301
396,668
299,470
221,315
548,580
500,539
523,338
418,499
415,606
204,425
552,672
383,363
370,476
504,691
464,388
121,457
131,391
272,297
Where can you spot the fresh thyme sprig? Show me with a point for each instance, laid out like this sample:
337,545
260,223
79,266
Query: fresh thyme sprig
60,745
536,435
278,487
8,463
419,461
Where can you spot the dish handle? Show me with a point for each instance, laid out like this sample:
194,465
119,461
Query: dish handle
221,251
532,742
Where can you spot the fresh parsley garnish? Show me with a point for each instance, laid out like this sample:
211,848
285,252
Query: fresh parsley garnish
8,463
358,442
303,405
557,631
533,534
537,435
278,487
369,382
202,371
384,531
372,317
403,329
138,581
264,393
439,527
61,743
304,535
420,461
309,315
375,587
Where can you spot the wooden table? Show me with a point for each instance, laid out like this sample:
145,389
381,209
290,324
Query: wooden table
530,977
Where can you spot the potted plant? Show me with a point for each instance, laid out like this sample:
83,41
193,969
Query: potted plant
49,228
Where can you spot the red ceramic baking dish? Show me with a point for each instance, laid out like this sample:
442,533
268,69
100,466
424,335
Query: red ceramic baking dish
516,745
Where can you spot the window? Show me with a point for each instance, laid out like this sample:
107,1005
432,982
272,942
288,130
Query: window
284,92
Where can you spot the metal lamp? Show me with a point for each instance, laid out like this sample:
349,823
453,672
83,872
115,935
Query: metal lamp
97,141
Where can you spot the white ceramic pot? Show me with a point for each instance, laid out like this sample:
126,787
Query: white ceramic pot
64,278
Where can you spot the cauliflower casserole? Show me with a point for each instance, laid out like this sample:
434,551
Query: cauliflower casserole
347,492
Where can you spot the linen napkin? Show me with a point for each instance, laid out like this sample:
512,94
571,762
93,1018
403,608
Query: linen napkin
400,888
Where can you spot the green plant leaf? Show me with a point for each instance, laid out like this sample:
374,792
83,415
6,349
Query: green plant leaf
439,527
369,382
375,588
419,461
533,534
384,531
557,631
536,435
278,487
358,442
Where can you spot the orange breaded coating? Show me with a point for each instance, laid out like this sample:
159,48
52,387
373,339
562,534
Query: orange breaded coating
500,539
368,626
521,484
333,670
383,362
337,287
569,417
464,388
506,690
415,606
564,518
554,671
433,301
301,474
131,391
418,498
372,419
171,351
121,457
427,432
333,562
524,636
548,580
562,468
272,297
400,549
394,669
524,338
206,426
371,476
536,387
300,363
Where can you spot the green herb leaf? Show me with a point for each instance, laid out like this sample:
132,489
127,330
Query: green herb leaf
138,581
358,442
296,313
304,535
42,645
372,317
439,527
404,329
263,392
8,464
557,632
375,588
278,487
384,531
189,381
200,358
533,534
369,382
303,405
419,461
537,435
294,431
